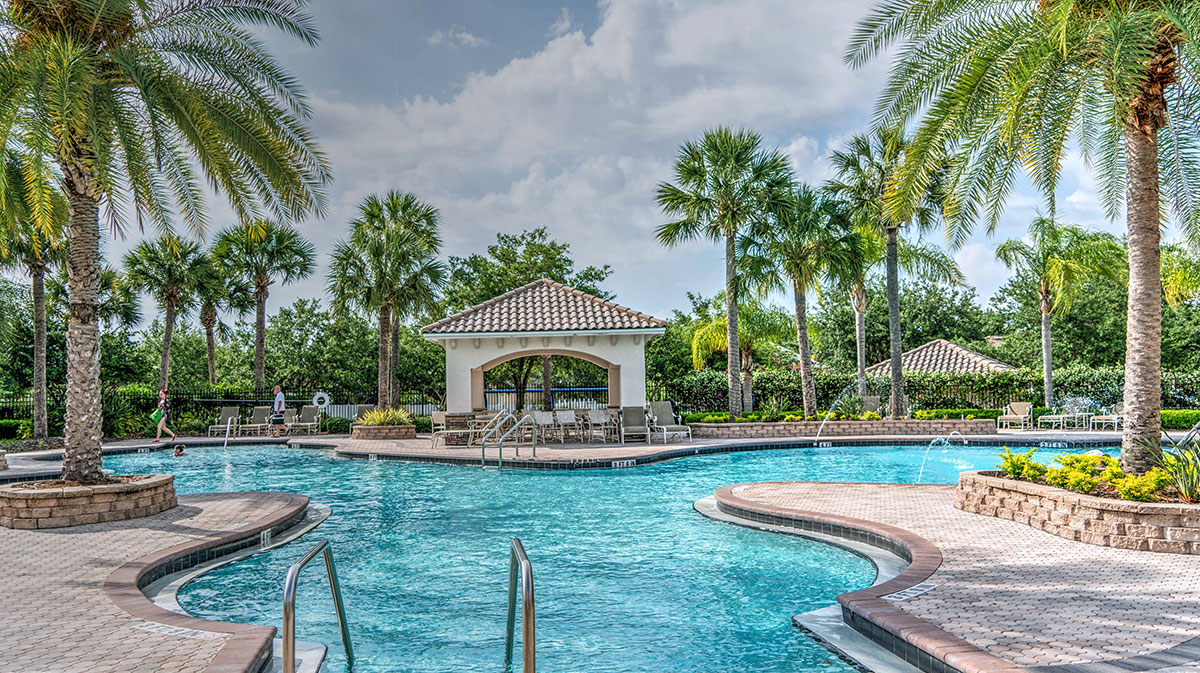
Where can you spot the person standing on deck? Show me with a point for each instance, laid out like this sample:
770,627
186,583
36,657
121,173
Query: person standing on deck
277,412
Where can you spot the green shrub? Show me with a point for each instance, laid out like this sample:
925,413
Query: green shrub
10,429
933,414
423,423
335,425
870,416
1142,488
1180,419
1021,465
387,417
1180,462
1072,479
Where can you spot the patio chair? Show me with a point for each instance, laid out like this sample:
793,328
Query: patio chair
223,422
437,421
309,420
634,423
1020,413
871,403
358,414
259,417
568,424
1058,419
666,422
1115,419
601,424
544,426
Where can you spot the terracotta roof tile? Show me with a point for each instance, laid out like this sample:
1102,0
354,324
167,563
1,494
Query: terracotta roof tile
940,355
543,306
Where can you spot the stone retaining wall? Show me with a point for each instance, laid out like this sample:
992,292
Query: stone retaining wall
976,426
1108,522
383,432
29,508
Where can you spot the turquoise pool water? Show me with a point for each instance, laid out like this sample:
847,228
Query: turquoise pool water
628,576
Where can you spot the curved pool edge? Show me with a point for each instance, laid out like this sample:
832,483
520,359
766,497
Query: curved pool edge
249,648
916,641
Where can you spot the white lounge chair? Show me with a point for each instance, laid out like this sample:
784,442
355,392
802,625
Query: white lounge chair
1115,419
634,423
602,425
666,423
1020,413
568,424
545,426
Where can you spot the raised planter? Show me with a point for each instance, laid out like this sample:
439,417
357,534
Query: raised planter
1107,522
975,426
23,506
3,461
383,432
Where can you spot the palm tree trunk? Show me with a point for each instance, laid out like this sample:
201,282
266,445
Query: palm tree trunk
547,384
168,331
260,336
858,298
208,317
1143,328
394,362
1047,364
731,326
808,387
81,455
383,398
893,293
40,425
747,383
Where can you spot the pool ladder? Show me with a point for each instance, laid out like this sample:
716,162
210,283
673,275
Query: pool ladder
519,561
289,604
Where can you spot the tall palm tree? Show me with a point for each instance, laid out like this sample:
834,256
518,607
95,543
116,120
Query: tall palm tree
759,325
219,295
809,242
259,254
173,271
865,169
1112,75
389,266
118,307
136,103
32,249
1060,257
724,183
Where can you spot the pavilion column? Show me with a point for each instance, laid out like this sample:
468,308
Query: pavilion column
614,386
478,399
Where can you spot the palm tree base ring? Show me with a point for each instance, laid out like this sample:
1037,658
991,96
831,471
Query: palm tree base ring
31,505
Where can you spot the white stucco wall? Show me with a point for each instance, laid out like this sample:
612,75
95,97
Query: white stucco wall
466,353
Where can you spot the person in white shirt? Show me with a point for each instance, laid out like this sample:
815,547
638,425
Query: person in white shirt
277,412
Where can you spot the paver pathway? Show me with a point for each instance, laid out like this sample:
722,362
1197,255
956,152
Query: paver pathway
1024,595
58,618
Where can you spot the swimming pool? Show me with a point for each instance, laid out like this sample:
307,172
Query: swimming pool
629,577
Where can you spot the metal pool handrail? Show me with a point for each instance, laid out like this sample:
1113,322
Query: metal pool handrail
500,447
289,604
517,557
483,442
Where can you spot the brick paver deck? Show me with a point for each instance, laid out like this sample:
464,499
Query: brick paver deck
68,605
1028,597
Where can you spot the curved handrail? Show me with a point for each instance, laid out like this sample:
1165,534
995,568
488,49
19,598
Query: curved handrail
517,557
500,447
228,426
483,442
289,604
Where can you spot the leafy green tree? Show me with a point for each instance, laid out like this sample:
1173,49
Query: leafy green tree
261,253
1061,256
33,248
512,261
133,102
389,267
1037,75
865,168
760,326
172,270
725,184
811,241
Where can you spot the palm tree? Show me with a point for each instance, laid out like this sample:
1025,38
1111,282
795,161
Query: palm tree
864,169
724,183
32,249
135,104
810,241
259,254
173,271
221,294
1039,73
118,308
759,325
389,266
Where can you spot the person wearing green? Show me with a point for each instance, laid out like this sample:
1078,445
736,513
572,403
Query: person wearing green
162,415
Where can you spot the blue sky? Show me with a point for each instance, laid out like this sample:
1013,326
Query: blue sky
509,116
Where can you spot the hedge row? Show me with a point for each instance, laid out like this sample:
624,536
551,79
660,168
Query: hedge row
15,429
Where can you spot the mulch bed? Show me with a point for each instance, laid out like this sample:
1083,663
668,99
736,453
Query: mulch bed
65,483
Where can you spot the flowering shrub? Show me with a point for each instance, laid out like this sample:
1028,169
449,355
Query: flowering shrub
1086,474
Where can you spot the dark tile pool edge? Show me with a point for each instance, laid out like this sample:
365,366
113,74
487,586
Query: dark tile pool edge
919,643
249,648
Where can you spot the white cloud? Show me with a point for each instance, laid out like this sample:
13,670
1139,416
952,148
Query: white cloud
562,25
456,36
983,271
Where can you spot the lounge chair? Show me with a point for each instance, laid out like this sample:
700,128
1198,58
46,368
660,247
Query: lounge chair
665,421
1059,419
634,423
601,424
545,426
223,422
871,403
568,424
1020,413
358,414
437,421
1115,419
259,421
309,420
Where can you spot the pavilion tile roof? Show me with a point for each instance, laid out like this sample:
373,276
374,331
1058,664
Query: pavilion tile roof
543,306
940,355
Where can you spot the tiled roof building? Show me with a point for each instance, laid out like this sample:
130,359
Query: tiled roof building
940,355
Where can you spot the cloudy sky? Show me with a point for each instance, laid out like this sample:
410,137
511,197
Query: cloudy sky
510,115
